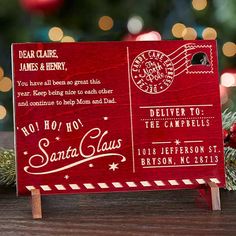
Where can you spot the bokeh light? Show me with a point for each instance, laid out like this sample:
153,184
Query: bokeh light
67,39
150,36
199,4
135,24
3,112
223,95
105,23
209,33
55,34
189,33
229,49
1,73
5,84
177,30
227,79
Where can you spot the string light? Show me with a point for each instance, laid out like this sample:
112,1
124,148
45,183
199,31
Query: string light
55,34
177,30
105,23
229,49
5,84
189,33
209,33
3,112
199,4
135,24
67,39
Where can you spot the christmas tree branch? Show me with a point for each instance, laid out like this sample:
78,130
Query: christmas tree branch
7,167
228,118
228,122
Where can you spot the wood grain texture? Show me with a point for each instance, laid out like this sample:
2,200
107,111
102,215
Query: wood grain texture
131,214
143,213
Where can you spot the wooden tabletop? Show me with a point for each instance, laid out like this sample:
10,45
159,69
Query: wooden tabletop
179,212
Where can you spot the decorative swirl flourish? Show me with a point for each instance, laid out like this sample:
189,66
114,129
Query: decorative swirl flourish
26,169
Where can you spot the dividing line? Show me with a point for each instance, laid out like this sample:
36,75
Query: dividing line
131,113
191,105
194,141
160,142
187,141
174,166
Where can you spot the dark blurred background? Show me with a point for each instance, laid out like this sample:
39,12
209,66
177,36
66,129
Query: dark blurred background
109,20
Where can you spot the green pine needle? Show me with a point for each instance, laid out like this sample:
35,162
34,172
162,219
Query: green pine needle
228,118
7,167
230,168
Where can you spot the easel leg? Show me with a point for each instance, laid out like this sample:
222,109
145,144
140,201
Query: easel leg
211,195
215,196
36,204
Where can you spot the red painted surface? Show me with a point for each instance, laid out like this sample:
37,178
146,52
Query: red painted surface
117,116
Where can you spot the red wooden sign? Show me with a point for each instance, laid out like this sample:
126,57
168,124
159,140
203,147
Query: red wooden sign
117,116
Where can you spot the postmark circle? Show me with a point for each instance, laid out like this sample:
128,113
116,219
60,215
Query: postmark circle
152,71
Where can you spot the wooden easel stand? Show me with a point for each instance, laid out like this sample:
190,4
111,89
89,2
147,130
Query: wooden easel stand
36,204
210,193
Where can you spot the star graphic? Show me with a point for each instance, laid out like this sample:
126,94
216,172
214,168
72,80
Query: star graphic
57,138
66,176
90,165
105,118
113,166
25,153
177,142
